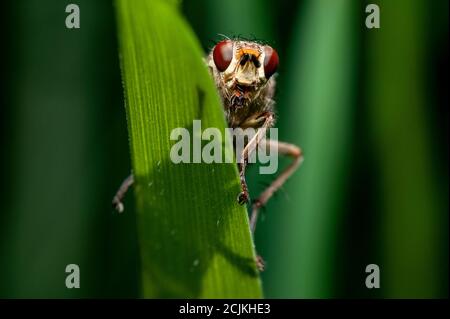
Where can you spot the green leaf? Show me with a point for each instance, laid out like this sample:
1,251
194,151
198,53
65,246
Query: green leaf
194,237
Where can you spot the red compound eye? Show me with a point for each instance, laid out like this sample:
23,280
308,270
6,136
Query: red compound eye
270,61
223,54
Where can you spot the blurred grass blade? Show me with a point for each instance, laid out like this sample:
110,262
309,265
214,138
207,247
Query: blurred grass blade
55,192
317,113
194,237
410,202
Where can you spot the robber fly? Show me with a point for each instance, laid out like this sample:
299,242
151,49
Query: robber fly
243,72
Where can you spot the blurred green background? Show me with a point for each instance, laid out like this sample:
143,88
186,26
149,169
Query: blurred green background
368,107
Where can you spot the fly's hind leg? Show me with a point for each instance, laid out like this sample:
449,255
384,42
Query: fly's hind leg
283,149
297,157
121,192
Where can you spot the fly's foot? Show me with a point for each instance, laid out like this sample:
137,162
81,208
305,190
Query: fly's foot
243,198
120,194
260,263
118,205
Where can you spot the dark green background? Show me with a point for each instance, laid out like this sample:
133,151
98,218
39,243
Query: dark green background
369,108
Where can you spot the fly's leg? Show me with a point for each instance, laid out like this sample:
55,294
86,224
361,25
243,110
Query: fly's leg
267,120
297,158
243,195
120,194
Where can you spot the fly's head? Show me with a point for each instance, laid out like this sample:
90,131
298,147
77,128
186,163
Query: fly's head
242,70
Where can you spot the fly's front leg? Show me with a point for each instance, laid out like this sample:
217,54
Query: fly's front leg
120,194
243,195
267,120
297,157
